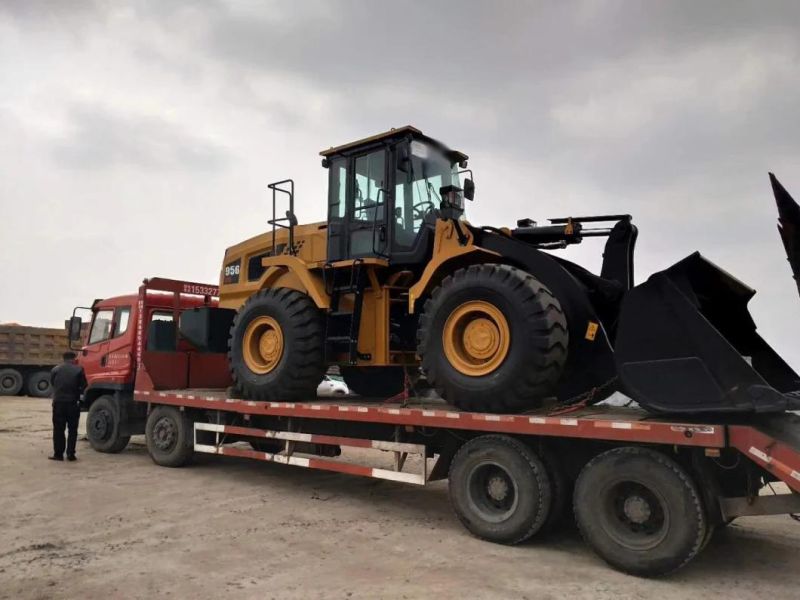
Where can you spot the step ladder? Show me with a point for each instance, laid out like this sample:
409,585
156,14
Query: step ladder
341,325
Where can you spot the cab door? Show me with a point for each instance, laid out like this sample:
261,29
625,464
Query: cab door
93,355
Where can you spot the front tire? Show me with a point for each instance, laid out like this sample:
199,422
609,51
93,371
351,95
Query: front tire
103,426
276,346
640,511
493,338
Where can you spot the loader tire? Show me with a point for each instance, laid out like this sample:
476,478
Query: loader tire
493,338
374,382
10,382
275,350
640,511
39,385
169,434
103,426
499,489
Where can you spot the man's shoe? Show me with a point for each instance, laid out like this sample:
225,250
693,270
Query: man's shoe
72,458
55,458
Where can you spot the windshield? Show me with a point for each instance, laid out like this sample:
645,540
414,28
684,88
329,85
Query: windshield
430,170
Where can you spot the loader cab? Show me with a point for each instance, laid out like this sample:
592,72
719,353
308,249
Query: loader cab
386,192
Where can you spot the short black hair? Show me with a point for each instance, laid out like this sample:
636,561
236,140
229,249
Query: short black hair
69,355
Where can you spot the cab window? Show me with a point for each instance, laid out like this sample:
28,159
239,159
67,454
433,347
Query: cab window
101,326
122,319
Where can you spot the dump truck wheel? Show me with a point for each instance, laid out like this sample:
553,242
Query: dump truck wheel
374,382
499,489
276,346
640,511
492,338
10,382
39,384
103,426
169,435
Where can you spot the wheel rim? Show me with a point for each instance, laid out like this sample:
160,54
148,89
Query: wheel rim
165,434
634,515
476,338
42,385
101,424
492,492
262,345
7,382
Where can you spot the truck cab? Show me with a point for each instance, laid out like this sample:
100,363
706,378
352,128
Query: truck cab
125,334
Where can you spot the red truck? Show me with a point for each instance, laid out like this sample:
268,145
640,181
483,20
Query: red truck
647,491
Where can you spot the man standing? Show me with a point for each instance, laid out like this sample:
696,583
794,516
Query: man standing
68,381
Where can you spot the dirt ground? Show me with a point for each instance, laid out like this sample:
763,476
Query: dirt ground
118,526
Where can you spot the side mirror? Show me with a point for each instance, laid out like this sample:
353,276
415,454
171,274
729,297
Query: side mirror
469,189
75,325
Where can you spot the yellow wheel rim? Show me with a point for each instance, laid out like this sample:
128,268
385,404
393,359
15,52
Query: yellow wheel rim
262,345
476,338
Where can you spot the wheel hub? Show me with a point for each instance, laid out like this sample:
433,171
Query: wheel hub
476,338
497,488
101,424
7,382
262,346
637,509
164,433
42,385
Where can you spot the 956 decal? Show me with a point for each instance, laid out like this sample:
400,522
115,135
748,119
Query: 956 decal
230,274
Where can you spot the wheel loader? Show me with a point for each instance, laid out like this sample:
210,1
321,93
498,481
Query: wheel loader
398,282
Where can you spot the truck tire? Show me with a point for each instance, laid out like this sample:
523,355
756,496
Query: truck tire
640,511
39,385
10,382
170,437
374,382
103,426
499,489
559,490
276,346
492,338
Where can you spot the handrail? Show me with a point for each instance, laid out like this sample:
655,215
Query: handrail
290,217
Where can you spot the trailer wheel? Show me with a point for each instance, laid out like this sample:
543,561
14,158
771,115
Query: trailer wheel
276,346
640,511
39,385
559,490
493,338
10,382
499,489
169,436
374,382
103,426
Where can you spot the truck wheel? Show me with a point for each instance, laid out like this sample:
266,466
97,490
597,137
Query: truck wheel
170,437
374,382
103,426
39,384
499,489
559,490
276,346
492,338
639,511
10,382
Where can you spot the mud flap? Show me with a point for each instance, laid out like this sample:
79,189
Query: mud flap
686,343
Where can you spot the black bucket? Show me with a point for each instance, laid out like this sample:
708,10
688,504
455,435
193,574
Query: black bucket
686,343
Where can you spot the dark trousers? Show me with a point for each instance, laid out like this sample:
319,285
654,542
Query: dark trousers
65,414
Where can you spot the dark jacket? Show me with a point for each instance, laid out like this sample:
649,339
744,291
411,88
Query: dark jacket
68,381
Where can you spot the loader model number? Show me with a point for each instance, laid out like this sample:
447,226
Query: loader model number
230,273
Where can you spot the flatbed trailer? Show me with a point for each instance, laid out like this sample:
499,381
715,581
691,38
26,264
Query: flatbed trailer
647,491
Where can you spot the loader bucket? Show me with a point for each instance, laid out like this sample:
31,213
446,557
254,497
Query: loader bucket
686,343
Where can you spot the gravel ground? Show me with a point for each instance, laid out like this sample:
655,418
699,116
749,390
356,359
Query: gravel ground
117,526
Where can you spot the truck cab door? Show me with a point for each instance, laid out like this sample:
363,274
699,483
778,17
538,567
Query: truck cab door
94,353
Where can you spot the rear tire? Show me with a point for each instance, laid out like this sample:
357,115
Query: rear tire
103,426
374,382
276,346
10,382
169,435
640,511
499,489
493,339
39,385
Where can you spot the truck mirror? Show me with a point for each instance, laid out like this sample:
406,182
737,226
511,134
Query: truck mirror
469,189
75,325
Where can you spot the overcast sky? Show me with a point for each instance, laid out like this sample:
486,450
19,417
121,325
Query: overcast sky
138,140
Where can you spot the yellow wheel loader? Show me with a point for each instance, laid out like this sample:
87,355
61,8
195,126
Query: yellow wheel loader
397,281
